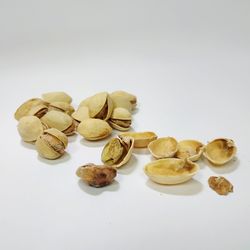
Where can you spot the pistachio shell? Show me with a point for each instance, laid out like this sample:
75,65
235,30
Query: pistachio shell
220,151
124,100
24,109
62,106
141,139
94,129
29,128
120,119
190,149
39,110
171,170
81,114
56,97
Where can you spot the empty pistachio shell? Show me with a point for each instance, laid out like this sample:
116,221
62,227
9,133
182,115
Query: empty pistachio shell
56,97
190,149
60,121
62,106
24,109
118,151
124,100
29,128
171,170
120,119
220,151
39,110
141,139
94,129
96,175
163,147
51,144
81,114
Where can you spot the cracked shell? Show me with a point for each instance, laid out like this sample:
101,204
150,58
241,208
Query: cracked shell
39,110
164,147
81,114
190,149
94,129
124,99
171,170
220,151
62,106
57,96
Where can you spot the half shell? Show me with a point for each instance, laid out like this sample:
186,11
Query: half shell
123,99
81,114
171,170
220,151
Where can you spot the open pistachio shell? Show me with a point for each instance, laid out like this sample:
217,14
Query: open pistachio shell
81,114
24,109
29,128
39,110
118,151
51,144
141,139
120,119
190,149
62,106
163,147
123,99
60,121
56,97
94,129
171,170
220,151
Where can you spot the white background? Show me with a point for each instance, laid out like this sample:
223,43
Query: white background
188,64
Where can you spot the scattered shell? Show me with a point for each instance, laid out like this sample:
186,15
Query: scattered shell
190,149
220,185
171,170
164,147
56,97
81,114
122,99
220,151
62,106
94,129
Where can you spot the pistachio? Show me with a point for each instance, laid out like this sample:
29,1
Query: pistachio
120,119
220,185
39,110
51,144
117,151
24,109
81,114
62,106
29,128
96,175
60,121
56,97
123,99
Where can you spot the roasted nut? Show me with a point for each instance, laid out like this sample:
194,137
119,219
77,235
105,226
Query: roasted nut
81,114
62,106
56,97
220,185
96,175
51,144
122,99
29,128
38,111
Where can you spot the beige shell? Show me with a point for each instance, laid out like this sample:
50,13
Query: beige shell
120,119
29,128
171,170
81,114
164,147
220,151
60,121
118,151
94,129
124,100
51,144
190,149
38,111
24,109
57,96
62,106
142,139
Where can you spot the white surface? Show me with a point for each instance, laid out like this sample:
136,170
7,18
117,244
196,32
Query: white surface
187,62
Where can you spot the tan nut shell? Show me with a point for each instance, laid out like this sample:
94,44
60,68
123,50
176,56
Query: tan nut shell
57,96
164,147
81,114
39,110
62,106
120,119
171,170
220,151
94,129
124,100
24,109
29,128
142,139
190,149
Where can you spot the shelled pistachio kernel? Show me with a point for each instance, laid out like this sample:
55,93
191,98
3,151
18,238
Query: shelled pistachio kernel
220,185
29,128
58,96
51,144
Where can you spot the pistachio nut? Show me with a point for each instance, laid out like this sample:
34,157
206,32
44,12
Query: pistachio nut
51,144
60,121
117,151
39,110
94,129
58,96
81,114
29,128
220,185
62,106
96,175
123,99
24,109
